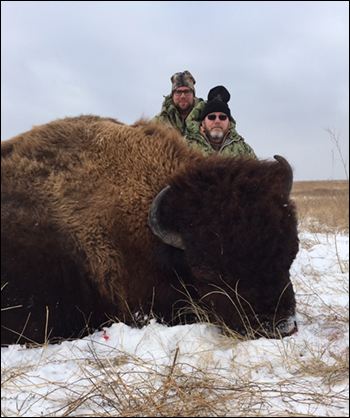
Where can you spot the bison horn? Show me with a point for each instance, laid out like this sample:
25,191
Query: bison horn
171,238
288,183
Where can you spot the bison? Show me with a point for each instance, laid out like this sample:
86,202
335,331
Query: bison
103,221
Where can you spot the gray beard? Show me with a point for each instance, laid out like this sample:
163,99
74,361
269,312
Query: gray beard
216,136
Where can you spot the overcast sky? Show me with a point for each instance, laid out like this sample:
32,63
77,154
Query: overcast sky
285,63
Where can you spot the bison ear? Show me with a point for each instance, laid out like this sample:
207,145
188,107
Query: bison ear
288,176
167,236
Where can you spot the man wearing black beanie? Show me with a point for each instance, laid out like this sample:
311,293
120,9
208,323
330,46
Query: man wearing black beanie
216,132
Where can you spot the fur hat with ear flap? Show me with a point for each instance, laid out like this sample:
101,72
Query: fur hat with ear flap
218,97
184,79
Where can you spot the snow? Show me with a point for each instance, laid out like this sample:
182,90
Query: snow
299,375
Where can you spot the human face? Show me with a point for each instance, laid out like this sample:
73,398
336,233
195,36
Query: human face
216,129
183,98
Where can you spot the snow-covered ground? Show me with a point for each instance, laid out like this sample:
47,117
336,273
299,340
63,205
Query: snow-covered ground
301,375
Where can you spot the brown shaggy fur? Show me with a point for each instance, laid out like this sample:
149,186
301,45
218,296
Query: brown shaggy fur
76,247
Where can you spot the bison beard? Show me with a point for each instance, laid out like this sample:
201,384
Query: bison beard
103,221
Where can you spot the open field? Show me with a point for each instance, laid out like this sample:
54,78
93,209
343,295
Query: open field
323,206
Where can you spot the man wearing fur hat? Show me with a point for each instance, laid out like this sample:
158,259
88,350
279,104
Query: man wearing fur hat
215,129
178,105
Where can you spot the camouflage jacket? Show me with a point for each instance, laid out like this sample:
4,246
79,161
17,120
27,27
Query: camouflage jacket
170,116
234,144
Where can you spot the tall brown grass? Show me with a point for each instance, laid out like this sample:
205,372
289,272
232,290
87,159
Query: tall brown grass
322,206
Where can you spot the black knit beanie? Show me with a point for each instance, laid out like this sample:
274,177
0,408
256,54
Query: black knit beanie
218,97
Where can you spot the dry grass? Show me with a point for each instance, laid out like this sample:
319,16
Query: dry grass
106,390
323,206
122,385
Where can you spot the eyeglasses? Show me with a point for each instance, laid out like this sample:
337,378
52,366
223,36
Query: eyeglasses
187,93
213,117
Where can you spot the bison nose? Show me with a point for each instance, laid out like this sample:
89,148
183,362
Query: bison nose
288,327
294,328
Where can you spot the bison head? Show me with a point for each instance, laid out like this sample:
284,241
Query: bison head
230,231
